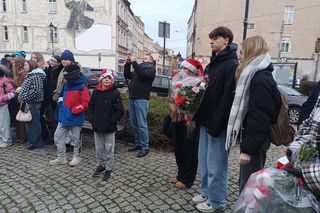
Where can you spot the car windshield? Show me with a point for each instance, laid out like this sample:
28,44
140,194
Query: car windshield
289,91
96,71
120,74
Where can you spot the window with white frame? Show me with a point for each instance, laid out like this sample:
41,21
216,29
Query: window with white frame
285,45
55,35
5,33
24,6
25,33
52,6
288,15
3,6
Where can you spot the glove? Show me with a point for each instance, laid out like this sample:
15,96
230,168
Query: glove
294,171
10,95
18,89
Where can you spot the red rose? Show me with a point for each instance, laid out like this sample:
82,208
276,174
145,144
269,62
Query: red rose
179,100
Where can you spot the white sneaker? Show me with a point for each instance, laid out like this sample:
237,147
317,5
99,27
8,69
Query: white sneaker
75,161
5,145
58,161
205,207
199,199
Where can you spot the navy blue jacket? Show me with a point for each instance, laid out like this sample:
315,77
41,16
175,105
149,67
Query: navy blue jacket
141,79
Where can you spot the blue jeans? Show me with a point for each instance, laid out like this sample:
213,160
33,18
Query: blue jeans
213,164
138,110
33,128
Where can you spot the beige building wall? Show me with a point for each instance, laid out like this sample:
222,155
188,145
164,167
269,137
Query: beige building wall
140,29
267,17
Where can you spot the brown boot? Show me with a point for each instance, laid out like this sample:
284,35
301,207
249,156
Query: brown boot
180,185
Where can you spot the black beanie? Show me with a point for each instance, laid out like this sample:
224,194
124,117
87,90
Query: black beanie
71,72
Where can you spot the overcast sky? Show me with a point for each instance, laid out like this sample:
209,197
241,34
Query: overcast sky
175,12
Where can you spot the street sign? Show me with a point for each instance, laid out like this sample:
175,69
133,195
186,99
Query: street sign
250,25
164,29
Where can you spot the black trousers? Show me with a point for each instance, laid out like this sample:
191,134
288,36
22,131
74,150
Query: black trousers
256,163
186,153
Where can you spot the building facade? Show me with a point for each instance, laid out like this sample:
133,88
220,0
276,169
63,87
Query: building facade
88,33
290,27
100,33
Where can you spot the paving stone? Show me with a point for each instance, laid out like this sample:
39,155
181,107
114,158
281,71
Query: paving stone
138,185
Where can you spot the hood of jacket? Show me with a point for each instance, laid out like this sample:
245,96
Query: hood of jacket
5,80
38,71
146,65
270,68
81,80
229,52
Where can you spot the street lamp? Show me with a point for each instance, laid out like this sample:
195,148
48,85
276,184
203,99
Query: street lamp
52,27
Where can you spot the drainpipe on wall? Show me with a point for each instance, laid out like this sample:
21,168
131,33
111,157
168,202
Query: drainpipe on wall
316,69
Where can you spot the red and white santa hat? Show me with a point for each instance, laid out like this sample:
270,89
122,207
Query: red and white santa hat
193,65
105,73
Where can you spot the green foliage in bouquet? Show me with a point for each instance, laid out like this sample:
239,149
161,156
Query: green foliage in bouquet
305,154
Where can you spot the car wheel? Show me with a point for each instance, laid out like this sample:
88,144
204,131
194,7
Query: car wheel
294,114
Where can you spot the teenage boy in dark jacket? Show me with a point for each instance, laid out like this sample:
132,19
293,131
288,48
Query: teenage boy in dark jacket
105,109
140,83
213,116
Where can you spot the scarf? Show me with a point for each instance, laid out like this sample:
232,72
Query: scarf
240,103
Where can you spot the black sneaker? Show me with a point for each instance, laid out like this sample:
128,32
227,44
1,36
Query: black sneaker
99,170
135,148
107,175
142,153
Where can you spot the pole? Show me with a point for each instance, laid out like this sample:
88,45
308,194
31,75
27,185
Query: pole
52,41
281,36
294,81
164,48
317,66
245,21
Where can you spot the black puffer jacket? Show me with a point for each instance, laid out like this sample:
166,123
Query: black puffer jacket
307,106
264,107
105,109
217,101
141,79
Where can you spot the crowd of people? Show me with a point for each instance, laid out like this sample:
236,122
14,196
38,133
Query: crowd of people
240,102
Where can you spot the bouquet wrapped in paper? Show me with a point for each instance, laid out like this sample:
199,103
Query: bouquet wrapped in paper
273,190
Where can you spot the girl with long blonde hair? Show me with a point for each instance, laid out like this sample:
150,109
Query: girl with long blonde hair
38,57
255,106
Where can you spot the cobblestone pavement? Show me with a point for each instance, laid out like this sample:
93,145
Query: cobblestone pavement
29,184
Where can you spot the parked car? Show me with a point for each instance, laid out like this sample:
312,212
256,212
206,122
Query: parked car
295,101
93,75
119,78
161,85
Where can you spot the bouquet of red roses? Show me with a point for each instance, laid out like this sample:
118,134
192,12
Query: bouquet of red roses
186,97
